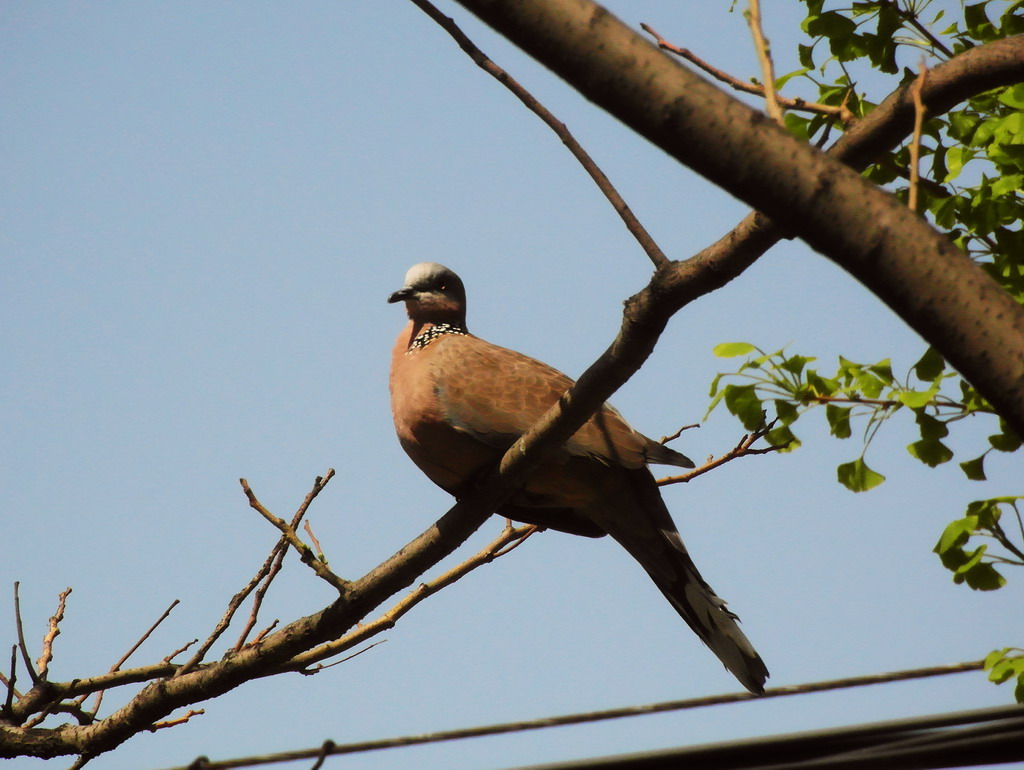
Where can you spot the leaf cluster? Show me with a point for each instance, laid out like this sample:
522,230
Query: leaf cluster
976,566
971,176
784,385
1005,664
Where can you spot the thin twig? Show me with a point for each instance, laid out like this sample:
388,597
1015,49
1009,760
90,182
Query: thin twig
321,666
305,552
505,542
262,634
639,232
911,17
276,559
21,635
842,112
179,721
764,56
270,569
80,715
180,650
316,543
678,433
43,662
134,647
271,566
915,144
10,682
743,448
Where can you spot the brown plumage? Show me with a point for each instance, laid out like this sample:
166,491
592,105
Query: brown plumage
459,402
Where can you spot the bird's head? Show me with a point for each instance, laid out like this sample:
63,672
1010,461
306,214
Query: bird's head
432,294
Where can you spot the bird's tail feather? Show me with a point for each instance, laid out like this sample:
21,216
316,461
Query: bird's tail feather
716,625
652,539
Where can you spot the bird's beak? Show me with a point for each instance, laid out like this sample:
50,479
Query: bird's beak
404,293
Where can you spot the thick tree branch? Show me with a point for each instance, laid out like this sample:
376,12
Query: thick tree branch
933,286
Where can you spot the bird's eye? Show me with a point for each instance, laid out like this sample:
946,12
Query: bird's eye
444,287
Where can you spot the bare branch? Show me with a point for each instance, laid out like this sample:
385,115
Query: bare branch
10,682
841,112
180,650
764,56
509,539
21,635
305,552
134,647
678,433
316,543
266,574
743,448
175,722
43,662
915,143
647,243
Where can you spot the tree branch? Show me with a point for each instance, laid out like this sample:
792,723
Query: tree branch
841,112
647,243
932,285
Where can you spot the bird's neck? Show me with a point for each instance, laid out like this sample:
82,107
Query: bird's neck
425,332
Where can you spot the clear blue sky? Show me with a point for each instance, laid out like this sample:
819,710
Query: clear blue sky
204,208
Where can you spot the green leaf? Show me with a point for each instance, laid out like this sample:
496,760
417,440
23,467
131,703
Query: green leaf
733,349
781,81
838,419
929,366
1007,184
930,452
743,402
974,469
883,370
978,25
1005,442
782,436
830,24
953,538
714,386
822,386
806,56
994,657
1013,97
931,428
956,158
985,512
795,364
786,411
979,575
857,476
915,399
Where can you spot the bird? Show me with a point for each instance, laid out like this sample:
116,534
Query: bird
459,402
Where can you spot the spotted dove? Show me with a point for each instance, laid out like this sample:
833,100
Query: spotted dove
459,403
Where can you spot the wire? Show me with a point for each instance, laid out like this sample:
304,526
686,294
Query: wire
202,763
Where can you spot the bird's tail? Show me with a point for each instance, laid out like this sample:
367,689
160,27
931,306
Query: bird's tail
709,617
652,539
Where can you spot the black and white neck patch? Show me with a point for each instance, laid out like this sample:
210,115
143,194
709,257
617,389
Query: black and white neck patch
424,338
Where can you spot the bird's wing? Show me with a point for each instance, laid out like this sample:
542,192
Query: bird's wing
496,394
